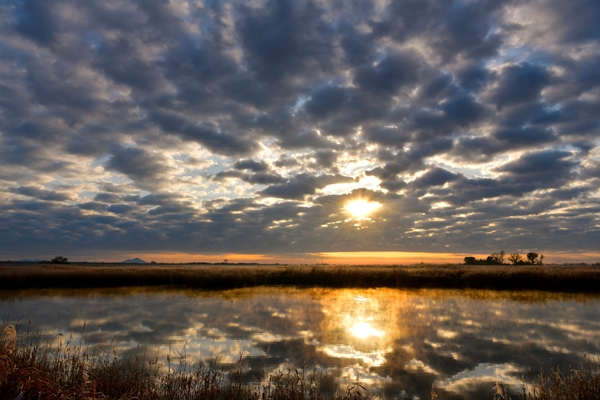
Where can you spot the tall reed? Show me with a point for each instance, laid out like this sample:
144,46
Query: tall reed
63,369
502,277
575,384
66,369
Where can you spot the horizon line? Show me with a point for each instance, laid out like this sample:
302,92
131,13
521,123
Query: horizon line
340,258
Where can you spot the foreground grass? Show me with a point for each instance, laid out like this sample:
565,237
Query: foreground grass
30,369
549,278
63,371
575,384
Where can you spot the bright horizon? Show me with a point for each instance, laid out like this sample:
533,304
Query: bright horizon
330,258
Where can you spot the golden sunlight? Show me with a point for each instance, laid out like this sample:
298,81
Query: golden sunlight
361,208
364,330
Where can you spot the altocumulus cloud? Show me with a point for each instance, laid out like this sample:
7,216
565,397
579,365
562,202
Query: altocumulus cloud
226,126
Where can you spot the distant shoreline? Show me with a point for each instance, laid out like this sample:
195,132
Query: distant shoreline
19,275
144,264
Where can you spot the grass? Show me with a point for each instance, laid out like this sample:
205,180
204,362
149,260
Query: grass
505,277
61,369
64,370
576,384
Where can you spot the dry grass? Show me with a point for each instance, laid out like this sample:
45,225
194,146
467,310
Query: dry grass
576,384
549,278
62,370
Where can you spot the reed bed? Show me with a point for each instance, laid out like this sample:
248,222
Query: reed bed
504,277
64,370
67,369
575,384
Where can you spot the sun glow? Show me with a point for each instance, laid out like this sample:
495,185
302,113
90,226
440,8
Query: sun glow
360,209
364,330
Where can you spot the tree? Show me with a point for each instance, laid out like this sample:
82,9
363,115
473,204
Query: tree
532,257
541,260
492,259
59,260
497,258
515,258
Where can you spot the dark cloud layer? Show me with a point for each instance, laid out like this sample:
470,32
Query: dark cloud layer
246,126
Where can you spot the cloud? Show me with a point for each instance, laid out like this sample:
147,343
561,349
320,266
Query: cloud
520,83
434,177
205,133
259,173
107,198
145,169
537,167
183,126
252,165
326,100
463,109
388,75
502,141
42,194
302,185
284,38
306,139
37,21
389,135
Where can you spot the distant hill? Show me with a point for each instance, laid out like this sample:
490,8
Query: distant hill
134,261
29,260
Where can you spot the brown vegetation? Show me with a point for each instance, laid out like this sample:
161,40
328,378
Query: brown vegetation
62,370
505,277
577,384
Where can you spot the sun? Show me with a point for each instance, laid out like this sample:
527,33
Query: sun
360,208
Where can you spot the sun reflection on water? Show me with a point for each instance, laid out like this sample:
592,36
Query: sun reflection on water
364,330
396,341
361,325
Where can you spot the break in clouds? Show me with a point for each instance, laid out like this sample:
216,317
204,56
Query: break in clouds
245,126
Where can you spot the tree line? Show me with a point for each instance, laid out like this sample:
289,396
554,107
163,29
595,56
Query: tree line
56,260
515,258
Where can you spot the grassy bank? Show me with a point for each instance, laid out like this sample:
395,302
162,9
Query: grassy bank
65,370
548,278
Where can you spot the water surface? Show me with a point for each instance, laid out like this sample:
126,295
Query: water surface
395,342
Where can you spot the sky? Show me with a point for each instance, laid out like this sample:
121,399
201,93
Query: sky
192,130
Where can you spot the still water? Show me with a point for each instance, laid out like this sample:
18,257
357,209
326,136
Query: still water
397,343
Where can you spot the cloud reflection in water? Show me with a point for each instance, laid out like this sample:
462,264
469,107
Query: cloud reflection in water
391,340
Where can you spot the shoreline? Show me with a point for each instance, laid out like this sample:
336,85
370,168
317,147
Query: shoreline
573,279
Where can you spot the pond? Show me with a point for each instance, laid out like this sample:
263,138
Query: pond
397,343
